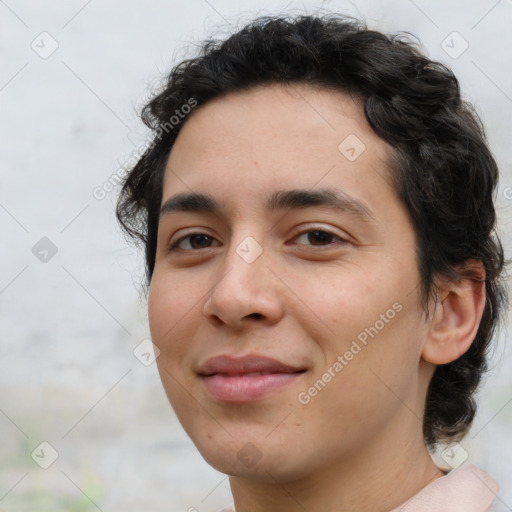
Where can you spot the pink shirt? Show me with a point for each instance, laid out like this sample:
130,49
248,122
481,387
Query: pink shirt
465,489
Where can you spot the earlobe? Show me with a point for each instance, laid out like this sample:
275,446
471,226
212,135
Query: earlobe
456,317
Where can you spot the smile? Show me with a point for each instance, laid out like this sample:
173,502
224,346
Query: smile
252,377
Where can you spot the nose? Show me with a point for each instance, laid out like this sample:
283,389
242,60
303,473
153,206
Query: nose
246,291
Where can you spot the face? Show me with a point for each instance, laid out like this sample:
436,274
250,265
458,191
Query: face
288,323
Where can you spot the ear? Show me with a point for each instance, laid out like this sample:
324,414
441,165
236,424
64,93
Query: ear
456,317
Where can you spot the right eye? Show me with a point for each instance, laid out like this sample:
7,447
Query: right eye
195,241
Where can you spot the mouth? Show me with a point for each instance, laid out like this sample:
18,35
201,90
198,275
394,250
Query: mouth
253,377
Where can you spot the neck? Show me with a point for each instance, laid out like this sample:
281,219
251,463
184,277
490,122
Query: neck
364,481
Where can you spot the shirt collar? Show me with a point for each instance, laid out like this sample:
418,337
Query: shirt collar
466,489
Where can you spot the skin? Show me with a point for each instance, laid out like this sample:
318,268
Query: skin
362,433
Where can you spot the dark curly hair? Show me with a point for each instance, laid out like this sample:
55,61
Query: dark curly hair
442,168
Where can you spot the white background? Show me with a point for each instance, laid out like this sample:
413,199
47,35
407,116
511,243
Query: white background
69,326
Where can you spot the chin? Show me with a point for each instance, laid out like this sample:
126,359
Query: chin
267,463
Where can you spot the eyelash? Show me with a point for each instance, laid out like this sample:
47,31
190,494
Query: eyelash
173,246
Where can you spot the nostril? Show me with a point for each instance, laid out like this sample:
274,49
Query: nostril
256,315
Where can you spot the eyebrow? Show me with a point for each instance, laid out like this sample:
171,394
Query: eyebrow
280,200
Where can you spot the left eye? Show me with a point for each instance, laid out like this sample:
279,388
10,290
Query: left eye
319,237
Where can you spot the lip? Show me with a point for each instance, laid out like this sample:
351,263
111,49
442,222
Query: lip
243,379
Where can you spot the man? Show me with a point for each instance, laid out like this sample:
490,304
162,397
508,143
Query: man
324,274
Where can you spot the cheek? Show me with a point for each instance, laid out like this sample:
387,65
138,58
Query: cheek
171,318
170,308
350,299
370,312
159,300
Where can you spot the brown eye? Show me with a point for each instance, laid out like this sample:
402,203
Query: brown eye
319,237
195,241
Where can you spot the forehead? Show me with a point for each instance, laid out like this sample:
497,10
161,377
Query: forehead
247,144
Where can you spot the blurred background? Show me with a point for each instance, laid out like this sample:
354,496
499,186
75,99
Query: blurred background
84,422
